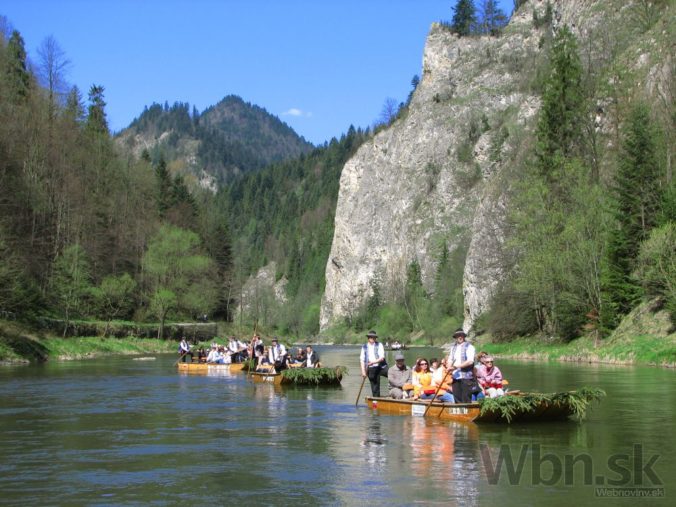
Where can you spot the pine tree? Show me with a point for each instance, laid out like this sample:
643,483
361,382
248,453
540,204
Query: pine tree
74,110
464,17
96,114
18,78
164,184
637,206
561,116
493,19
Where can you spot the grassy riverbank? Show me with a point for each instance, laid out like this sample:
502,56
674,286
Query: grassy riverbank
644,349
22,344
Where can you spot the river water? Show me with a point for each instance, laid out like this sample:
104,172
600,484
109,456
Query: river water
116,431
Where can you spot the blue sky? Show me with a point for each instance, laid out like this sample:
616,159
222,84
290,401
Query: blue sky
320,65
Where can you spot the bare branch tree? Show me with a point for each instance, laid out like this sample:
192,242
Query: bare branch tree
389,112
52,68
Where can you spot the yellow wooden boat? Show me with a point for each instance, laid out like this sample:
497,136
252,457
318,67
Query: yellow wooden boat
513,407
205,367
267,378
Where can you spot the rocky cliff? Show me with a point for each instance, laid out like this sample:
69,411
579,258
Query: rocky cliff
440,173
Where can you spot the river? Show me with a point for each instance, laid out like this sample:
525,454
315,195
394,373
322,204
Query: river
115,431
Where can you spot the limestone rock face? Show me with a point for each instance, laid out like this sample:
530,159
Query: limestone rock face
440,173
262,292
426,180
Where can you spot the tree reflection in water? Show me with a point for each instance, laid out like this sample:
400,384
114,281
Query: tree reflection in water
374,446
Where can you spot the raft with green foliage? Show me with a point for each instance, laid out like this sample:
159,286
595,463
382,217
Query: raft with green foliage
303,376
513,407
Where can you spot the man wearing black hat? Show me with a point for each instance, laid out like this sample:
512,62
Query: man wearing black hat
461,362
373,364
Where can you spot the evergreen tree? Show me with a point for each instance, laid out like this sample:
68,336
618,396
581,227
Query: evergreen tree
493,19
637,207
18,77
96,114
464,17
74,110
414,293
562,113
163,196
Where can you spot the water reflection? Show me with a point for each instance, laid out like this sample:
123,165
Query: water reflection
373,446
131,432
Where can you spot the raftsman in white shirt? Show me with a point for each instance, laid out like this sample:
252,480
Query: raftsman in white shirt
375,351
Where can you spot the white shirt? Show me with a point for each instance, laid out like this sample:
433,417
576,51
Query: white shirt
456,360
374,350
276,352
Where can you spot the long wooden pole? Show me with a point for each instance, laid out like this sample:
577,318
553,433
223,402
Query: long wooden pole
435,394
179,358
359,395
252,359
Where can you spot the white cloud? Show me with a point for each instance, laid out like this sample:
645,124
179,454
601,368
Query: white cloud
297,112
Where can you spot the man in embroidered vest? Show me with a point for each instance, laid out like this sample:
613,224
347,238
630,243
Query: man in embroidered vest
277,355
373,364
461,362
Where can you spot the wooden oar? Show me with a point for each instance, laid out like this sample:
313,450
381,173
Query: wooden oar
359,395
435,394
179,358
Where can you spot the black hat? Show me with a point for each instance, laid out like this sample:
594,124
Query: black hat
459,332
371,334
274,339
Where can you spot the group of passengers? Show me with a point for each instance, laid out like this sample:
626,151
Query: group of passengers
235,351
265,358
454,379
276,357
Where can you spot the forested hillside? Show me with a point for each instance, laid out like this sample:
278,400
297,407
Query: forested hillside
233,137
284,214
89,232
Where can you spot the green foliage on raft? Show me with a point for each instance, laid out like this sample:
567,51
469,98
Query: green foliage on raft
317,376
576,401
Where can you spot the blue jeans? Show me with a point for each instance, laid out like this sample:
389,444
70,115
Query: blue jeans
444,398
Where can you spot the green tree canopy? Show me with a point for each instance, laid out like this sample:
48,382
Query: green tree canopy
175,263
464,17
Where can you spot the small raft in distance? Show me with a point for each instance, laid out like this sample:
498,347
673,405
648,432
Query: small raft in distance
516,407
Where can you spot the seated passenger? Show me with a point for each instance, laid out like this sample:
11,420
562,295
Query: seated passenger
421,377
434,364
311,357
299,358
442,382
225,354
263,364
213,354
489,377
399,378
